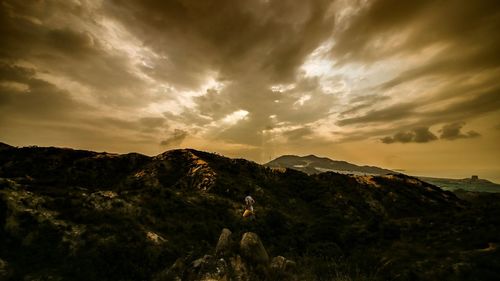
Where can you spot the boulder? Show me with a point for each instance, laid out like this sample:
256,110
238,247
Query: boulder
201,268
203,262
252,250
4,270
224,245
290,266
282,268
278,263
239,270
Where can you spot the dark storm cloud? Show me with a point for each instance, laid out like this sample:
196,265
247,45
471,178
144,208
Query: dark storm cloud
445,64
70,42
248,46
152,122
463,24
15,73
246,132
22,96
477,100
55,37
298,134
388,114
215,104
358,106
464,66
302,105
131,125
417,135
233,72
450,131
175,139
453,131
38,29
30,101
378,18
188,116
33,108
233,38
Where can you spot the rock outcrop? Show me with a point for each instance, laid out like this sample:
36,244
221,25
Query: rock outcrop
224,245
82,215
252,250
281,265
250,262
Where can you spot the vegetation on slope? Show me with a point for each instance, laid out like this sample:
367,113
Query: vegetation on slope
79,215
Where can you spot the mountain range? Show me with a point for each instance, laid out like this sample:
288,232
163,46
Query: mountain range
312,164
80,215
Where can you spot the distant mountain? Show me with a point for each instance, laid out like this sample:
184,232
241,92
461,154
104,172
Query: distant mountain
468,184
312,164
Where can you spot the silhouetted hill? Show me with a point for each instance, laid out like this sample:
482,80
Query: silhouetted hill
4,146
312,164
81,215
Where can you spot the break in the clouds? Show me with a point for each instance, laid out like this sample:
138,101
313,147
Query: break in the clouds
248,78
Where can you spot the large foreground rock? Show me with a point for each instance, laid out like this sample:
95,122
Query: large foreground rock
224,245
252,250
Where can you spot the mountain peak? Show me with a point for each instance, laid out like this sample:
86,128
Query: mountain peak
312,156
312,164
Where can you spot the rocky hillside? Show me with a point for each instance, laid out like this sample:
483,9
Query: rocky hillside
80,215
312,164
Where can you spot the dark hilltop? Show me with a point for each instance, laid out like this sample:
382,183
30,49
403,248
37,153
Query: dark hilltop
80,215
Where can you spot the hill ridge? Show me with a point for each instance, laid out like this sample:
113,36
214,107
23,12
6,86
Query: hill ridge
312,164
65,211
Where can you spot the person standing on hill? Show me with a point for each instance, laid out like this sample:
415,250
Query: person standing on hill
249,206
249,203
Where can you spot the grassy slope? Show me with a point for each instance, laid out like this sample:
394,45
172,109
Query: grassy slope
83,215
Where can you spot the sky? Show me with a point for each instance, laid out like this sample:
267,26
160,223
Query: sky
406,85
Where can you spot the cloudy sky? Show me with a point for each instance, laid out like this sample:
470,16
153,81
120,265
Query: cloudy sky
411,85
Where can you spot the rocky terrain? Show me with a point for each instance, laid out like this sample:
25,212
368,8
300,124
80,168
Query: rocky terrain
80,215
